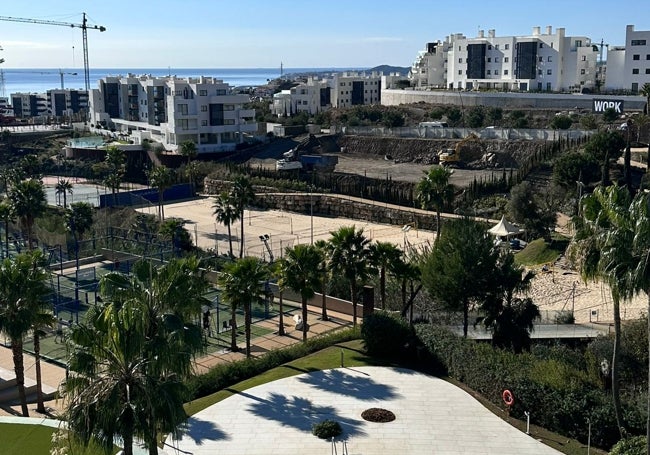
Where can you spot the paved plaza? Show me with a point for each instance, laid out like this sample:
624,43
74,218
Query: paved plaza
432,417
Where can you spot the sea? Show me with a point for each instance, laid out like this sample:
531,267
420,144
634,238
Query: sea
39,80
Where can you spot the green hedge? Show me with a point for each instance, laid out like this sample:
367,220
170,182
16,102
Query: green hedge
558,393
227,374
386,336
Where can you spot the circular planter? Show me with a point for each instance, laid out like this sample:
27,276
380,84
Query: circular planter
378,415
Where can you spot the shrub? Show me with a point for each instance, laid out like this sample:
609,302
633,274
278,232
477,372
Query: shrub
224,375
327,429
630,446
385,335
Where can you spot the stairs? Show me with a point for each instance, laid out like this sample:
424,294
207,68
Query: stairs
9,391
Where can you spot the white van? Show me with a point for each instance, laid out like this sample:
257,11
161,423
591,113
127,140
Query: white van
434,124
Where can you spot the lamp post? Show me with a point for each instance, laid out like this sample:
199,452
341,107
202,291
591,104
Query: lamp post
311,214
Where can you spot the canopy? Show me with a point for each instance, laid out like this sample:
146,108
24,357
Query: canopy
504,228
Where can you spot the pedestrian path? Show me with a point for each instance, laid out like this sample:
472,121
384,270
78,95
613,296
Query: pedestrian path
431,416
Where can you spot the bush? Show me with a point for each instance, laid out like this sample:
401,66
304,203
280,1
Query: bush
385,335
224,375
630,446
327,429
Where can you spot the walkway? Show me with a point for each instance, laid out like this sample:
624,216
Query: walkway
432,416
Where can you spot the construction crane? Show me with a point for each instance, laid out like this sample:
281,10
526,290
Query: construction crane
60,73
84,31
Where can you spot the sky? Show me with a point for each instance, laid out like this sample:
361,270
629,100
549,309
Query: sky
300,34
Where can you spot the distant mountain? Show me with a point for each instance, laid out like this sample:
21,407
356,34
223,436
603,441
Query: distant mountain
388,69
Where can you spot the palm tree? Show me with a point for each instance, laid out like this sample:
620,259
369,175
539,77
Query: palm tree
243,195
385,256
191,171
64,187
226,213
188,149
601,248
435,192
242,284
29,166
78,220
29,202
645,91
42,318
6,216
115,161
349,252
130,357
22,289
301,270
161,178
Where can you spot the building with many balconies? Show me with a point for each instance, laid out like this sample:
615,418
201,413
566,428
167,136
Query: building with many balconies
173,110
549,61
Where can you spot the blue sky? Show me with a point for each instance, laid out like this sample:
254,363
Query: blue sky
263,33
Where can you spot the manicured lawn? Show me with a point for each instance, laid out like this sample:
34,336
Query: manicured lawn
353,356
22,439
539,252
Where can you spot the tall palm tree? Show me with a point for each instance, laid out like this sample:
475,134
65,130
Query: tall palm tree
645,91
6,216
243,195
226,213
188,150
601,249
29,166
301,270
63,188
385,256
22,290
132,354
435,192
242,284
192,171
29,202
350,257
161,178
115,161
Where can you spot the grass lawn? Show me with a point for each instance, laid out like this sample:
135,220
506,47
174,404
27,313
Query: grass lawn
539,252
21,439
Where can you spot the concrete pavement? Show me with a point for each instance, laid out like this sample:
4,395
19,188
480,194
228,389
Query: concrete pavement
432,417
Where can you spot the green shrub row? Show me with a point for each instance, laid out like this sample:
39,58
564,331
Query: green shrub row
227,374
386,336
558,393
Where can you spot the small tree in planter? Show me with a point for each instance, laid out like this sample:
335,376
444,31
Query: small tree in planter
327,429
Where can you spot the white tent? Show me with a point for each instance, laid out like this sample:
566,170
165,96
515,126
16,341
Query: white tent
504,228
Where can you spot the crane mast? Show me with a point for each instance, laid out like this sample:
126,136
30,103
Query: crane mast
84,31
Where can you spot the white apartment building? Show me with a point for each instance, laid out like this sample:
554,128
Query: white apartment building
353,88
538,62
57,103
173,110
628,67
312,97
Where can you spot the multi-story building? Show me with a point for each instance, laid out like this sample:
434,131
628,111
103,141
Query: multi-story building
352,89
54,103
628,67
538,62
173,110
312,96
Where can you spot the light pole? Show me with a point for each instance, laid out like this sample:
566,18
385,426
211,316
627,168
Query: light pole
311,214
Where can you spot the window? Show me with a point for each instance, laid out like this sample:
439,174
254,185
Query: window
647,70
540,59
489,59
203,93
647,56
489,72
549,59
496,46
506,59
460,72
582,71
228,107
459,48
578,43
584,58
489,47
204,108
635,70
638,42
548,86
507,46
221,92
460,60
182,109
636,57
229,121
505,72
541,45
496,72
204,123
549,72
539,72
